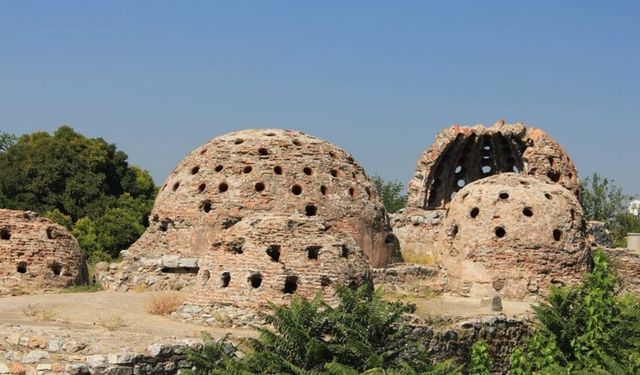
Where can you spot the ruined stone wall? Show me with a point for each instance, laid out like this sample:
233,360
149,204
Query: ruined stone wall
627,267
37,255
514,234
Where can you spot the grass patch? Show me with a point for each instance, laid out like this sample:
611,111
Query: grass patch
164,303
84,288
112,323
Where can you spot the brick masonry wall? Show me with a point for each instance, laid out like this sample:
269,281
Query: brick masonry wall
37,255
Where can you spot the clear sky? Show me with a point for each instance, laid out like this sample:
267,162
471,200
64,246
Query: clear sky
380,79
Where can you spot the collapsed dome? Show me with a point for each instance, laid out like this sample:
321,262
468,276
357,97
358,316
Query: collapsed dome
512,233
272,257
461,155
37,255
277,171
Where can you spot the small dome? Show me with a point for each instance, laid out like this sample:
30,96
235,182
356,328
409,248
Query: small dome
37,255
512,233
272,257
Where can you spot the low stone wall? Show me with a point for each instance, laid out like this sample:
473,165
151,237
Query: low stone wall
168,272
627,267
454,341
25,353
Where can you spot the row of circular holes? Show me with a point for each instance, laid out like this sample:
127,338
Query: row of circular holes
255,280
5,234
277,170
500,231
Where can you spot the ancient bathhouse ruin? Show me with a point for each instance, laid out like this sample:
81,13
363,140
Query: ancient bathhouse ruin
496,210
37,255
257,215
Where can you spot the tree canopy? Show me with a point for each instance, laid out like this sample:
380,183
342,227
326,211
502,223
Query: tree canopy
74,179
391,193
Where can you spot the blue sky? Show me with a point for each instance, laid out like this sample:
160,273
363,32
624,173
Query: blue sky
380,79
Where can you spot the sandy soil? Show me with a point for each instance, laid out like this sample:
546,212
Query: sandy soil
83,316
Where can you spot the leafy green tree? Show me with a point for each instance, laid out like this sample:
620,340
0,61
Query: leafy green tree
88,181
6,140
601,199
391,193
362,335
623,224
585,329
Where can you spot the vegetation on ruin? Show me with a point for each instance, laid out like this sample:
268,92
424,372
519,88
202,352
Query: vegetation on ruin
587,328
604,201
391,193
364,334
85,184
480,358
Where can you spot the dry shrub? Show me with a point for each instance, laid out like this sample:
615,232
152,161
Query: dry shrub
112,322
164,303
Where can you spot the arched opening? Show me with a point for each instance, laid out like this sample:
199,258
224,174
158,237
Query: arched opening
56,268
273,252
21,267
225,279
467,158
290,285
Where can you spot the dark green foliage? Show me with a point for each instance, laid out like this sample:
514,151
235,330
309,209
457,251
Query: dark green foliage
363,334
480,359
391,193
585,329
85,184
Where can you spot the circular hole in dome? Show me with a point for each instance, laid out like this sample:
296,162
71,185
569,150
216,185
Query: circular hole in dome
527,212
296,189
461,183
547,195
21,267
515,169
255,280
500,232
458,169
277,169
474,212
486,169
259,186
296,142
308,171
504,195
247,169
352,192
310,210
325,281
557,234
270,134
223,187
203,151
263,151
239,141
368,191
218,168
332,154
334,172
323,190
225,279
206,206
176,186
201,187
195,169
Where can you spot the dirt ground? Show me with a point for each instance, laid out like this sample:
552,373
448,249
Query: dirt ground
86,316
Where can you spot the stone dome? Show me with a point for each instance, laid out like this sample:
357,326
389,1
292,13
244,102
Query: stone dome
512,233
462,154
238,175
37,255
270,170
268,257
